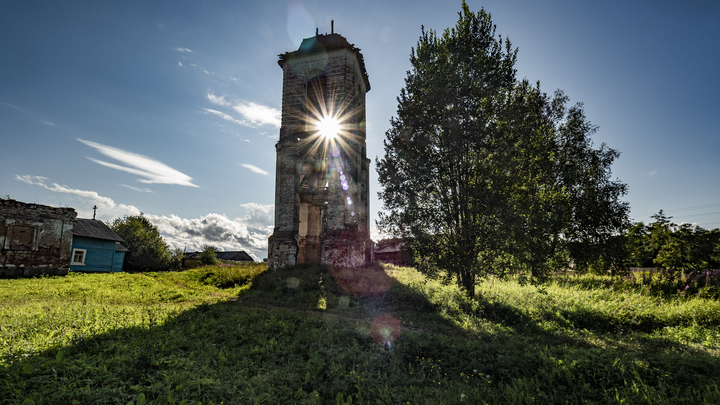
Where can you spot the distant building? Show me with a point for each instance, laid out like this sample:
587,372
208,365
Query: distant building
393,251
34,239
96,247
190,259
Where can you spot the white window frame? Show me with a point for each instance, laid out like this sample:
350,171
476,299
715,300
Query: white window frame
84,256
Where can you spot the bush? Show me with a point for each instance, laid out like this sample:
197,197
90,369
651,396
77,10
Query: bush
147,249
207,256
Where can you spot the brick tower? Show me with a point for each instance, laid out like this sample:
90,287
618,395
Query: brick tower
321,183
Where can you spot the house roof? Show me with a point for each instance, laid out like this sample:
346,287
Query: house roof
120,248
91,228
238,256
390,245
389,249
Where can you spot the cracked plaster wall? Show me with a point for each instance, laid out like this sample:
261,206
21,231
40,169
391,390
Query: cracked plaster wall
34,239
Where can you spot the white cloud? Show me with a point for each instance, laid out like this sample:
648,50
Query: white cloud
179,63
107,208
228,117
218,100
212,229
30,179
259,215
32,114
273,135
249,233
154,171
652,173
15,107
257,113
253,112
254,169
142,190
184,50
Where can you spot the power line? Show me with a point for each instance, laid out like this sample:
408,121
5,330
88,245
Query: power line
682,209
700,215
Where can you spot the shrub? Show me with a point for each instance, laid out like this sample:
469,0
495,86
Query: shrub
147,249
207,256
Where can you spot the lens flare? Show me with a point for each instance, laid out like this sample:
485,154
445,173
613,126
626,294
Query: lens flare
385,329
328,127
331,135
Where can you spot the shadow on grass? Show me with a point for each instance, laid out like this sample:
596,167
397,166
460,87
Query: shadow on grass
232,353
361,294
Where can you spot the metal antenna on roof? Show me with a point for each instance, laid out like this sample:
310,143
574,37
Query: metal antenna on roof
94,210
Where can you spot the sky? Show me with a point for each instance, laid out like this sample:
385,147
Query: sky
171,108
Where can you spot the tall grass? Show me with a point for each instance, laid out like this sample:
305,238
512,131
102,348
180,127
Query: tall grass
323,335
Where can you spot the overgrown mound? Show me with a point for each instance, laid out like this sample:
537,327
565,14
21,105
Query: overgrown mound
226,275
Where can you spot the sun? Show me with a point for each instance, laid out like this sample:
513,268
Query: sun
328,127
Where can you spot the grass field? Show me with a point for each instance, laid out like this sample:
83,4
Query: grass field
242,335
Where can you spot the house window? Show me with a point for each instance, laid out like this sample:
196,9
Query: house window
78,257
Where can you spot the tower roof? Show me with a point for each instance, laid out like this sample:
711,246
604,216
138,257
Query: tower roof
325,43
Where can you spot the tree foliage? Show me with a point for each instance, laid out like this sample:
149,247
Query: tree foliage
485,174
207,256
666,245
147,249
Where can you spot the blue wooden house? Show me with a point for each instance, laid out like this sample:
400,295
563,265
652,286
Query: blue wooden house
96,247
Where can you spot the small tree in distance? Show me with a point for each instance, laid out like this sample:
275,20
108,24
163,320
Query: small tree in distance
207,256
484,174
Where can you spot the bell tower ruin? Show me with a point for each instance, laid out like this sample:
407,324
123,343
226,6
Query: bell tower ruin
321,183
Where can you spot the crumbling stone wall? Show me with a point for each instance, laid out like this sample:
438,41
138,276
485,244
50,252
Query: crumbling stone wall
321,186
34,239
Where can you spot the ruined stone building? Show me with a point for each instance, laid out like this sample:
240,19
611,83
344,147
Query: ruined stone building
34,239
321,184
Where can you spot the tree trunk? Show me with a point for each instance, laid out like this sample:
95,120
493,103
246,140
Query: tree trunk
467,282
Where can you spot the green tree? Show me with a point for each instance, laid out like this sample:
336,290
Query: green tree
638,245
485,174
207,256
147,249
686,248
667,245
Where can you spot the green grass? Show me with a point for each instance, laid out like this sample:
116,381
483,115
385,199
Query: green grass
240,334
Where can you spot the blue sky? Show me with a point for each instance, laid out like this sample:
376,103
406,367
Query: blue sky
171,108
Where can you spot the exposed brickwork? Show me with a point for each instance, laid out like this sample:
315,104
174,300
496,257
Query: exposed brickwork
321,187
34,239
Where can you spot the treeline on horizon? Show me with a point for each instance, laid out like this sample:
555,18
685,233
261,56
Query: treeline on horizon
665,245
